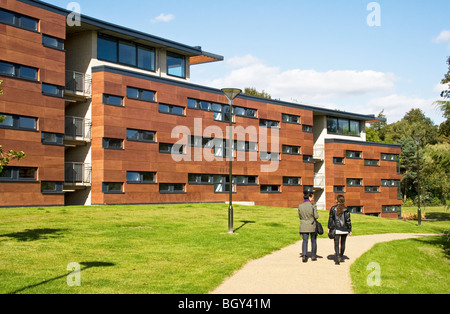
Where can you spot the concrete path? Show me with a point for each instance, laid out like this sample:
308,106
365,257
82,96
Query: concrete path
283,272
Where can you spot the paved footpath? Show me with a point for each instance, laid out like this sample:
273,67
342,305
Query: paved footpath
283,272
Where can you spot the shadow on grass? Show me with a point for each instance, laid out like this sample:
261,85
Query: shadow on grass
442,241
34,234
85,266
439,216
245,222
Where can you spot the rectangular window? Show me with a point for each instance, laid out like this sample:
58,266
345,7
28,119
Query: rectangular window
353,154
292,181
222,184
200,179
52,187
141,177
176,65
18,71
171,109
112,100
338,160
270,188
307,128
112,187
308,159
19,122
339,189
390,183
112,143
127,53
371,162
52,138
52,90
372,189
140,94
18,20
171,188
355,209
354,182
293,150
52,42
288,118
141,136
342,126
269,123
146,58
391,208
18,174
171,148
245,180
389,157
107,49
265,156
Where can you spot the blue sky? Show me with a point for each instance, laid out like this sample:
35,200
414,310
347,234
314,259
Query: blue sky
318,52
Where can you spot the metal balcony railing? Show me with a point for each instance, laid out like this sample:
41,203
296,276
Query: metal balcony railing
78,128
77,173
78,84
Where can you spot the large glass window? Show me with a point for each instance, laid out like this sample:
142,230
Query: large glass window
17,70
18,20
176,65
125,52
343,126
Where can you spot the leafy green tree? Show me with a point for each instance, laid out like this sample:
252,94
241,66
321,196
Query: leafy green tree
444,105
253,92
436,171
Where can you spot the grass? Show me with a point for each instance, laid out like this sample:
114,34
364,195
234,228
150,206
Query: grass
157,249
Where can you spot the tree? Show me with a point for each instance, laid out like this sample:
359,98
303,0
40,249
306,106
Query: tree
375,130
444,105
253,92
437,171
6,157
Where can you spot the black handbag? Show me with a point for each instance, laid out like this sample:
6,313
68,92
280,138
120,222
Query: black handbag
319,228
332,233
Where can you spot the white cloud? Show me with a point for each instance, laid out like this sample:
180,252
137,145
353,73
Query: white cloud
301,84
163,18
443,37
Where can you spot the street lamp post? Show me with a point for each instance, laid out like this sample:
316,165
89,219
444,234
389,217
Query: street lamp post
231,94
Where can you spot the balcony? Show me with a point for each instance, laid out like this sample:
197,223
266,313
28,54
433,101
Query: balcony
319,181
77,174
77,129
319,152
78,84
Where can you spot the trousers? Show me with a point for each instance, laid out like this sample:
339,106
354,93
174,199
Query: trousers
313,244
340,239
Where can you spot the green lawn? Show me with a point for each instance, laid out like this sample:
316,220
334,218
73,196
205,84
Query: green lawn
161,249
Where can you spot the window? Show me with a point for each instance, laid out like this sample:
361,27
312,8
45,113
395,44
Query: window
270,188
52,42
293,150
354,182
140,136
18,174
265,156
171,148
389,157
140,94
52,90
112,143
221,111
342,126
391,208
307,128
244,112
18,71
339,189
372,189
171,188
292,181
176,65
246,180
353,154
124,52
19,122
290,118
171,109
308,159
141,177
371,162
269,123
52,138
204,179
52,187
112,187
113,100
222,184
355,209
390,183
18,20
338,160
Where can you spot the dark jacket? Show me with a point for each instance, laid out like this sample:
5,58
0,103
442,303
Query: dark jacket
342,223
307,213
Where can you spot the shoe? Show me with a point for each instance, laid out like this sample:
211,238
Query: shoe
341,258
314,259
305,259
336,260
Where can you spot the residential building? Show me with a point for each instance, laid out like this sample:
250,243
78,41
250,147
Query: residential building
108,115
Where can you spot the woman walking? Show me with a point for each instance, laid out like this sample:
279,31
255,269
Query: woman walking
307,213
340,221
